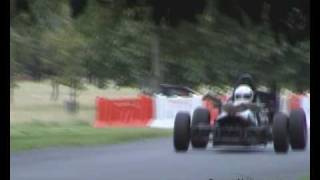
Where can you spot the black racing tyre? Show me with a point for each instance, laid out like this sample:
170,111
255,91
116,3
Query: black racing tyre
200,139
181,134
280,133
298,129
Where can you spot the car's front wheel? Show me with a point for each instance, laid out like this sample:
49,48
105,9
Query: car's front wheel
280,133
181,134
298,129
200,139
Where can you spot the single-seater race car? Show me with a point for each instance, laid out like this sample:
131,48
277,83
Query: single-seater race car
250,117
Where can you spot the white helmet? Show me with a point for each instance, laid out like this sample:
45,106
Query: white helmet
243,94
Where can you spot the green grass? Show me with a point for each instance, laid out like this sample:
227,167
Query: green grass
41,135
37,122
305,178
31,102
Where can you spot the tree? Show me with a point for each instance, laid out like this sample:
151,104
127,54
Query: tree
133,42
168,16
290,18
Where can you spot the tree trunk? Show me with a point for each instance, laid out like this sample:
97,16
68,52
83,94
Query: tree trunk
52,90
11,95
155,60
71,104
55,90
73,92
12,8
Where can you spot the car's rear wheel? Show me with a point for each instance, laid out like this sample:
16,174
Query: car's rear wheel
181,134
200,139
298,129
280,133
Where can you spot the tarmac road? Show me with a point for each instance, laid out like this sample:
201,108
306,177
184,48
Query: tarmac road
156,160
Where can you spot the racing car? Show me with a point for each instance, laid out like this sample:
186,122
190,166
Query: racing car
250,117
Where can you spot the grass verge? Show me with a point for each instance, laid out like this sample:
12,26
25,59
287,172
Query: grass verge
305,178
41,135
31,101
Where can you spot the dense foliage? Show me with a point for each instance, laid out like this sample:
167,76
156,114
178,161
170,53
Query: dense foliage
198,41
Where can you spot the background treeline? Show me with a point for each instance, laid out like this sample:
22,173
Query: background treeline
142,43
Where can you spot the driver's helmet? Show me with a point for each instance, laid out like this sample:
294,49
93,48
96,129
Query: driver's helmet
243,94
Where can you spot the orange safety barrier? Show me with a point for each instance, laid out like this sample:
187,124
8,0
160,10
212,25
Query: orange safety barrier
214,111
123,112
295,101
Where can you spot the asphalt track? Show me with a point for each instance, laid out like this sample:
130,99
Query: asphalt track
156,160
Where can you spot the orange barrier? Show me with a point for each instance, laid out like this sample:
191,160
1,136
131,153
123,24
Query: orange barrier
295,101
123,112
214,111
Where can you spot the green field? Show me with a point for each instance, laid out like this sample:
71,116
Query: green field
31,102
305,178
37,135
38,122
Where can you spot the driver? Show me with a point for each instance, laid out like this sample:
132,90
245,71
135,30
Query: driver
243,94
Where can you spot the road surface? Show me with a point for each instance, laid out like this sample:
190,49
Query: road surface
156,160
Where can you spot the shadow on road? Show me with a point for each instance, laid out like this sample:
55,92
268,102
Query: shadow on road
235,150
241,151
